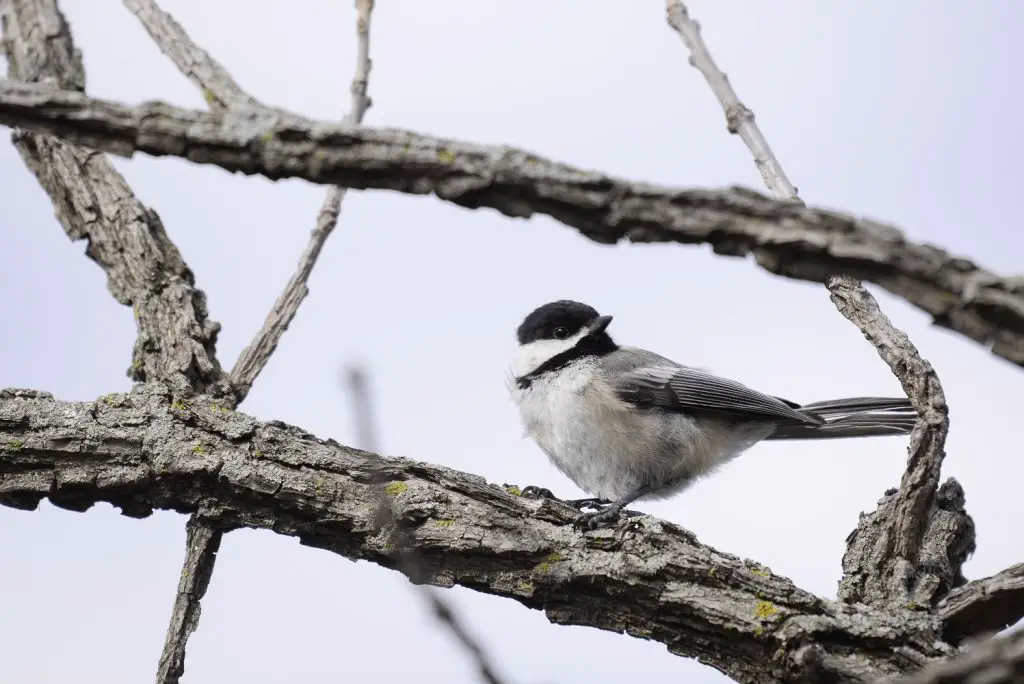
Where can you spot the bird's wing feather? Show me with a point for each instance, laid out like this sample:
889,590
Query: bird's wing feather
648,380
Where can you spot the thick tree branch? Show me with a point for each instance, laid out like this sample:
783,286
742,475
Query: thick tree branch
808,244
984,605
883,570
649,578
994,661
176,341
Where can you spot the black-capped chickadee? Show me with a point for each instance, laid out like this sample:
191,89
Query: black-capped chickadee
625,423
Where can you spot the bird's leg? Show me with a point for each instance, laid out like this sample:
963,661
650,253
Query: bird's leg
610,512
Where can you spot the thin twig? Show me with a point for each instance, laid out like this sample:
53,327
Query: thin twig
256,355
218,87
408,559
916,497
201,546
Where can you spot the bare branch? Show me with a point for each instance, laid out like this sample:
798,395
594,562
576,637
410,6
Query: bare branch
176,341
994,661
201,546
885,567
984,605
738,117
257,353
649,578
807,244
883,571
218,87
409,561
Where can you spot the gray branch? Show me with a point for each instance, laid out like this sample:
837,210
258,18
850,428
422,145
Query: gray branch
201,545
985,605
883,553
808,244
257,353
883,570
651,579
218,87
176,341
994,661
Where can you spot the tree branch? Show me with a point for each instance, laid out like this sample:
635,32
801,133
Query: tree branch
218,87
257,353
807,244
882,559
995,661
201,545
651,579
881,571
176,342
984,605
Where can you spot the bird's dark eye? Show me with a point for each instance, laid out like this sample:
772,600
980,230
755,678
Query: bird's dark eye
561,332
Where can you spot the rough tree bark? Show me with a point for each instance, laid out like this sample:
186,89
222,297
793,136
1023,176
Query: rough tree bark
176,441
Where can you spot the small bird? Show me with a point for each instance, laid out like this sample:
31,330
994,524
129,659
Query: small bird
624,423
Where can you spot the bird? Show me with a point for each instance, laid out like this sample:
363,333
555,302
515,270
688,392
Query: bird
624,423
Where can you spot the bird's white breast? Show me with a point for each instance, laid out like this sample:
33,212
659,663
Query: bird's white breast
610,449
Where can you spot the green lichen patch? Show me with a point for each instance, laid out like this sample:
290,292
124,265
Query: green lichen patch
179,406
446,522
199,449
549,560
513,490
445,156
395,488
764,610
14,445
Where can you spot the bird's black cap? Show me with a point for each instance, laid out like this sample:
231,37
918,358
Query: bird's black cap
542,322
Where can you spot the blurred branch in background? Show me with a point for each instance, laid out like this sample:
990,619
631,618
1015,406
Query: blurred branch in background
410,562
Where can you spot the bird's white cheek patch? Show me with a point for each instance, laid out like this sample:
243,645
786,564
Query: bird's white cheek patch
529,357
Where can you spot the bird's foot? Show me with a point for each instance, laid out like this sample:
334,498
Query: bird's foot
588,503
534,492
609,513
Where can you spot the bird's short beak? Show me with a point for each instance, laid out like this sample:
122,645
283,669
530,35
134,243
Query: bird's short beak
600,324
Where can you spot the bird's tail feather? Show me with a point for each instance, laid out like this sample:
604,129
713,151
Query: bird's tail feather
856,417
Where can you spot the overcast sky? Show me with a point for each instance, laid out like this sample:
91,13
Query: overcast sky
901,111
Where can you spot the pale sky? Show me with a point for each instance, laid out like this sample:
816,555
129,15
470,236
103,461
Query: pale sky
901,111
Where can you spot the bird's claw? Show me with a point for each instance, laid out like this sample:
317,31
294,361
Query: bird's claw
594,519
609,513
534,492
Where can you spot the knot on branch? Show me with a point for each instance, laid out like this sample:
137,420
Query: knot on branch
873,574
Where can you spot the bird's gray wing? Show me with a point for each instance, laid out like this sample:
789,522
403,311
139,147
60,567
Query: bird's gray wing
648,380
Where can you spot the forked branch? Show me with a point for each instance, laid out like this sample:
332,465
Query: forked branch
884,570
